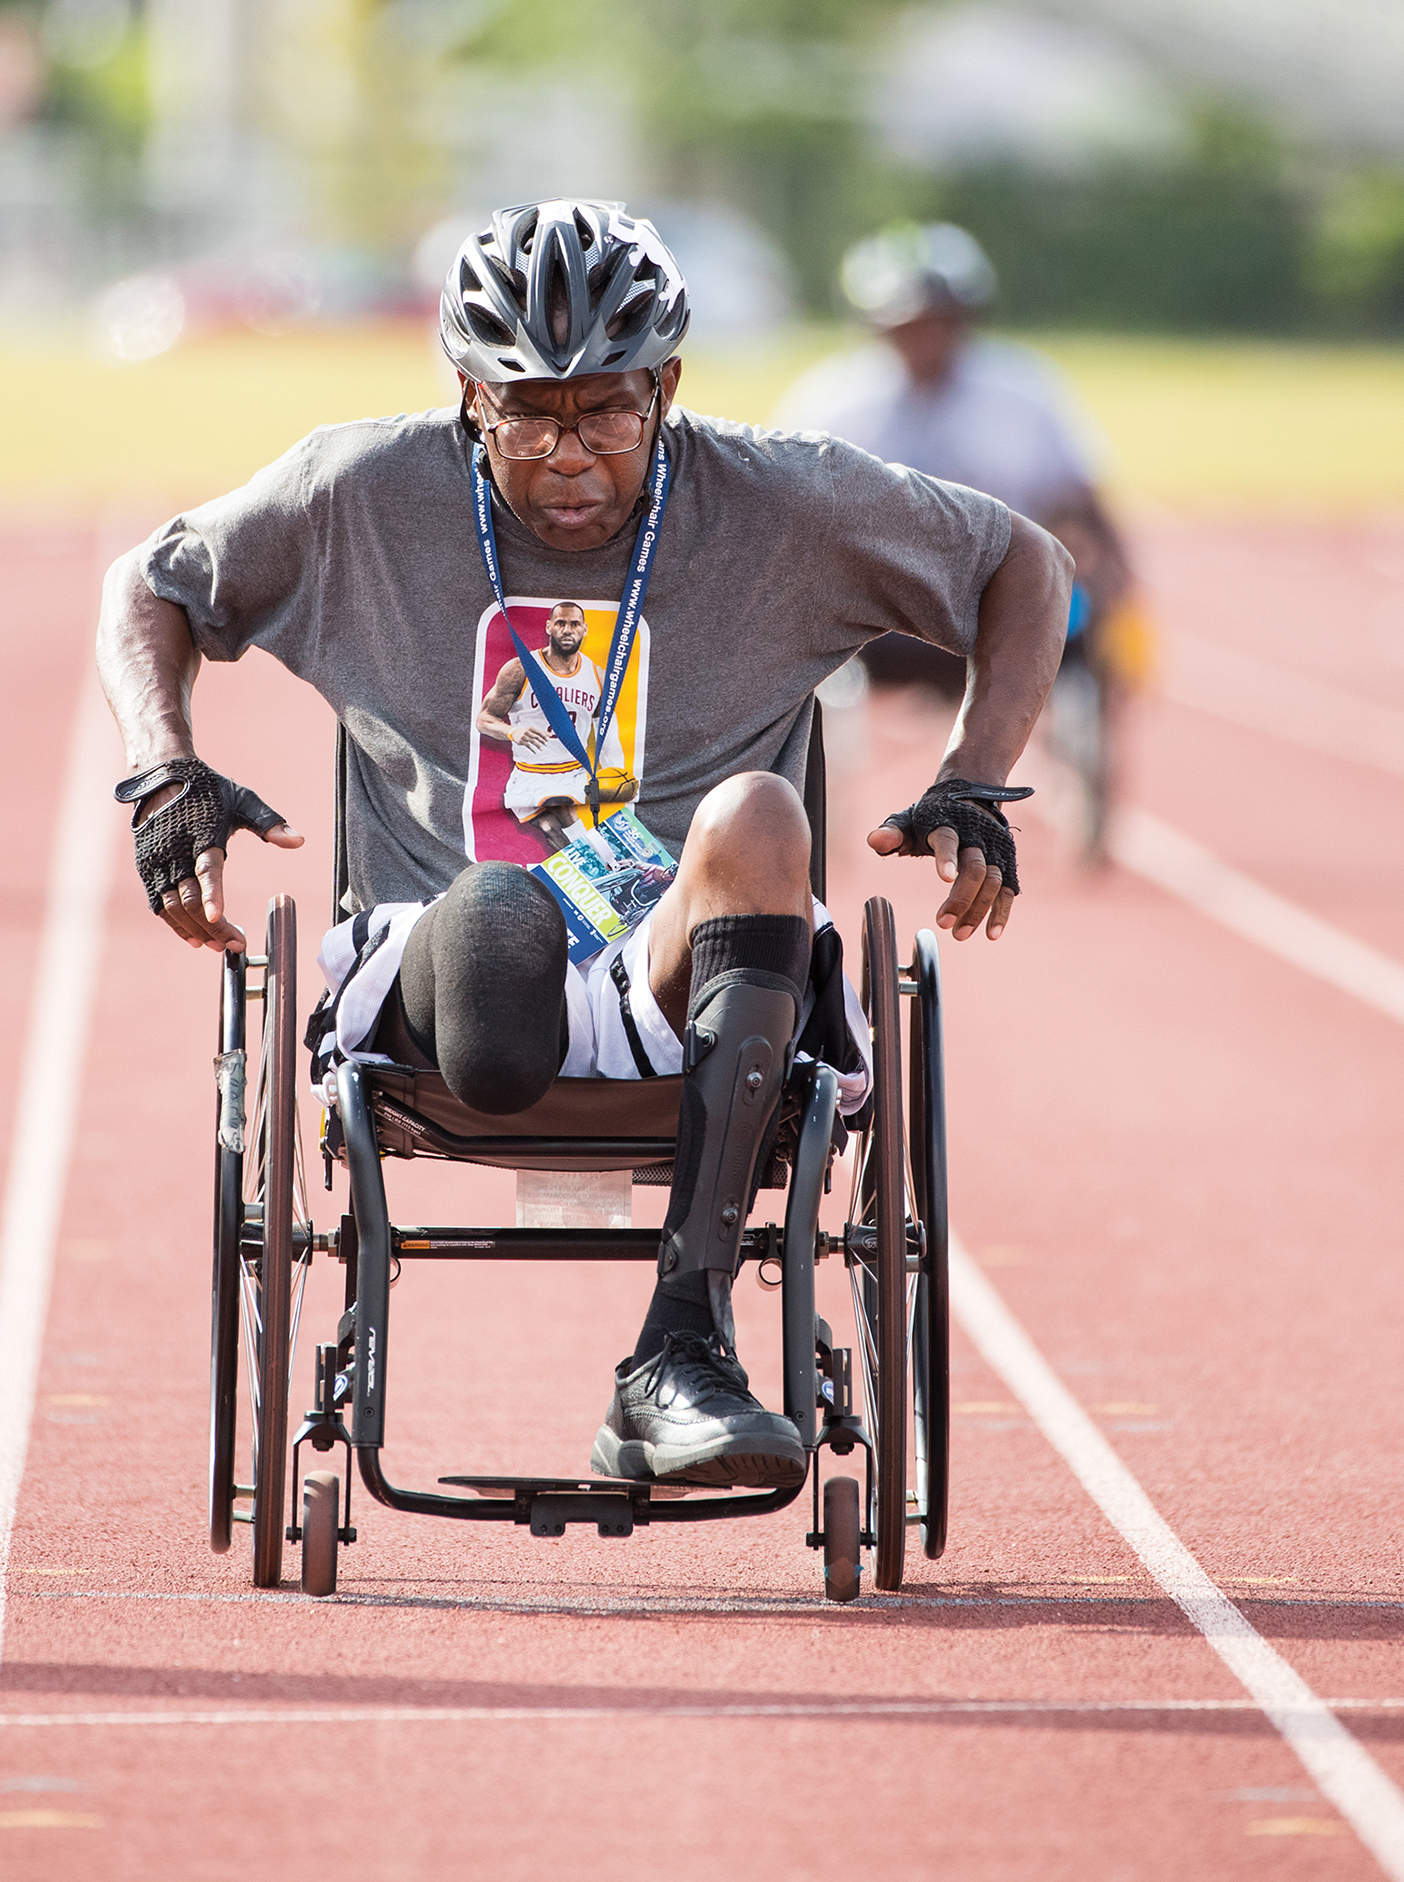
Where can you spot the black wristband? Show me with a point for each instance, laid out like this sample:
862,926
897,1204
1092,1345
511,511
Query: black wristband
201,817
973,812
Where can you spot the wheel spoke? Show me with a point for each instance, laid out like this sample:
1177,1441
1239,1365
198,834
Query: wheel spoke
251,1324
254,1135
300,1273
867,1353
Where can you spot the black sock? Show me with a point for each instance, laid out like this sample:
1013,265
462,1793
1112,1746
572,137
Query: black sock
678,1306
768,944
762,944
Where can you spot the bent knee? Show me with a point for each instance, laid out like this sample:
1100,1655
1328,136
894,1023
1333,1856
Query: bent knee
752,833
751,801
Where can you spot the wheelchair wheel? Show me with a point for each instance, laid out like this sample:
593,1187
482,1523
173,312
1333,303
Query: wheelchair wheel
879,1275
228,1228
843,1531
926,1114
259,1197
321,1507
269,1207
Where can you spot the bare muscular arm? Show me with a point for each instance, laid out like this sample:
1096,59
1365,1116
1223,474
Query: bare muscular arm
1018,644
148,665
492,719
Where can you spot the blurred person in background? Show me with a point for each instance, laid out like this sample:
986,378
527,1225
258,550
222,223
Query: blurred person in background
935,394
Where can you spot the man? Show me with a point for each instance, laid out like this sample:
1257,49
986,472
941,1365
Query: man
935,394
543,788
771,560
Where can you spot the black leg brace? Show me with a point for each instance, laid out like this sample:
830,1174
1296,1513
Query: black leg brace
748,976
483,984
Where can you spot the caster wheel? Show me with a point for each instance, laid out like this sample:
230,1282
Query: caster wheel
321,1506
842,1561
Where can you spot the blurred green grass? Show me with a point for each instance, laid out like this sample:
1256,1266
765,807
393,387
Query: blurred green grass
1244,427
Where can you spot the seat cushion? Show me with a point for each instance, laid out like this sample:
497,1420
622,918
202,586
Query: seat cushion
638,1110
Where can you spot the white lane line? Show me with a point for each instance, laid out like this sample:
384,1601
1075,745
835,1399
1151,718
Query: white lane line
1269,698
50,1081
840,1709
1342,1769
1176,863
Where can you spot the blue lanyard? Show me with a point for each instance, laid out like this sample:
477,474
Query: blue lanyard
626,623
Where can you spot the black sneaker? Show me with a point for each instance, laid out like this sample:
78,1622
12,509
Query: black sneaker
689,1416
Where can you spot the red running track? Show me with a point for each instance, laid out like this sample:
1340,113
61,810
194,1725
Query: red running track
1176,1157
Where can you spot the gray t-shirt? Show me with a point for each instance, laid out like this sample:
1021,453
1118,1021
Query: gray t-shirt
353,560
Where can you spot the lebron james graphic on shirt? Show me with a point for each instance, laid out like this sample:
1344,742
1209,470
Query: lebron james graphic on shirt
546,786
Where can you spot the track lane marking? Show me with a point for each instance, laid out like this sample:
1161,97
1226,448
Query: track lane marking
855,1709
1173,861
1338,1764
1264,697
50,1082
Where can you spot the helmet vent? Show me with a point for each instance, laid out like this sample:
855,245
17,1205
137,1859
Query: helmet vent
487,327
632,316
558,306
509,282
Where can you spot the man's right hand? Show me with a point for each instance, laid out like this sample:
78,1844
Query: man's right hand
195,908
149,664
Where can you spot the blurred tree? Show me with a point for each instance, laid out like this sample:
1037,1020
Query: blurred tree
1216,241
767,105
89,67
343,90
88,97
1357,259
758,103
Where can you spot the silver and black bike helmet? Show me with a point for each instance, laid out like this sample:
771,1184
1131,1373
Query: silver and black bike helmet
910,269
556,290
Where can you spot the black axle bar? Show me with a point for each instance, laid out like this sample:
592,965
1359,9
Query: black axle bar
499,1244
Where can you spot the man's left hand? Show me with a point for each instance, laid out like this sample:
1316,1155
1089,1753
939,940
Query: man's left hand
977,887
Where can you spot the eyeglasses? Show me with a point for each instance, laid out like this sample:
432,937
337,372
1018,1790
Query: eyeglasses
602,434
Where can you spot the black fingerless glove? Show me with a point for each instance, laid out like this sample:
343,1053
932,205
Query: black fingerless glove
972,811
201,818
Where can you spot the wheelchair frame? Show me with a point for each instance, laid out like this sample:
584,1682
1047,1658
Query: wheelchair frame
894,1250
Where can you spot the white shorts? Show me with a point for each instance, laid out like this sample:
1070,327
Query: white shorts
528,790
599,1045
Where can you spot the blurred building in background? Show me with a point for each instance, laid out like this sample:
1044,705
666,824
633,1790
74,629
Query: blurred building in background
1169,165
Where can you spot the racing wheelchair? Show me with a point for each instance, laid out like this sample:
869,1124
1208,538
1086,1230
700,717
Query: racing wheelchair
893,1245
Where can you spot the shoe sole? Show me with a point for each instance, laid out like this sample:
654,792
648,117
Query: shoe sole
740,1463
